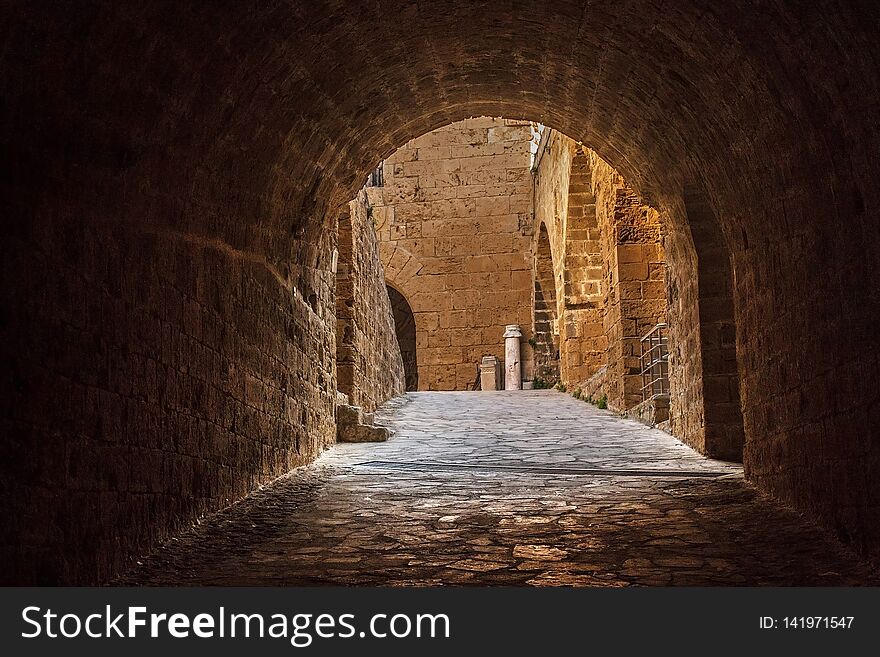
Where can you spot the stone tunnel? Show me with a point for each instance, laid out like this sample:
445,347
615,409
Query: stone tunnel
178,234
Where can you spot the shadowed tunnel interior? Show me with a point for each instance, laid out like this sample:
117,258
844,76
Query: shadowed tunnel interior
170,179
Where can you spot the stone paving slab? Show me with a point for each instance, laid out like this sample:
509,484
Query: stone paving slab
507,488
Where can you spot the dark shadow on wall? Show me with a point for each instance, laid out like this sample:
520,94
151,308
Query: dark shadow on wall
405,327
722,413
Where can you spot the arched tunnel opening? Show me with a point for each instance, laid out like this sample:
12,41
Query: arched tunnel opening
405,331
174,183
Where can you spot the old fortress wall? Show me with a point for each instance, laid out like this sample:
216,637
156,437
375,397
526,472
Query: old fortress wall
489,222
454,225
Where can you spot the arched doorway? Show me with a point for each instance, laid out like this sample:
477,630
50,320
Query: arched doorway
405,327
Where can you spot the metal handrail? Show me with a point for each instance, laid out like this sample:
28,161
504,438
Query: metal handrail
654,362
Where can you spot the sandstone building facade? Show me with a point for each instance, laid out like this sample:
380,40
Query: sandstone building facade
369,364
607,267
453,219
490,222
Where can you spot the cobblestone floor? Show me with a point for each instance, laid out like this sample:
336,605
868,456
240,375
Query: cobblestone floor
529,487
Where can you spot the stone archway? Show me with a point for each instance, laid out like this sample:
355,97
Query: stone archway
711,369
169,272
405,327
583,342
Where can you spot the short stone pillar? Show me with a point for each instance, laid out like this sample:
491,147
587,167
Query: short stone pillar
512,369
490,373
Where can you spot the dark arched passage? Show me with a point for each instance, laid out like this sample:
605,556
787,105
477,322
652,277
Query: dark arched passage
167,284
405,326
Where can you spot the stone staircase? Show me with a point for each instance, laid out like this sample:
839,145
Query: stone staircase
353,425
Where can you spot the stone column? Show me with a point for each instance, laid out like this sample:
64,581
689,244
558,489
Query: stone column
512,373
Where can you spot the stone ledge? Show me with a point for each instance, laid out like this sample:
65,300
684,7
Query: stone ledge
653,412
355,426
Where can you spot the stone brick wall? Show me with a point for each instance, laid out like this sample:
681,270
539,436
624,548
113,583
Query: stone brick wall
545,326
614,290
167,325
634,286
583,337
550,214
369,365
686,416
453,220
612,287
706,412
609,264
159,373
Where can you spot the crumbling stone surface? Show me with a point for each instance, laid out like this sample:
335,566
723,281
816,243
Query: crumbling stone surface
594,387
353,425
634,290
653,412
608,266
369,364
454,230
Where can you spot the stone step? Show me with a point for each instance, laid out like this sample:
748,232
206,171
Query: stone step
353,425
